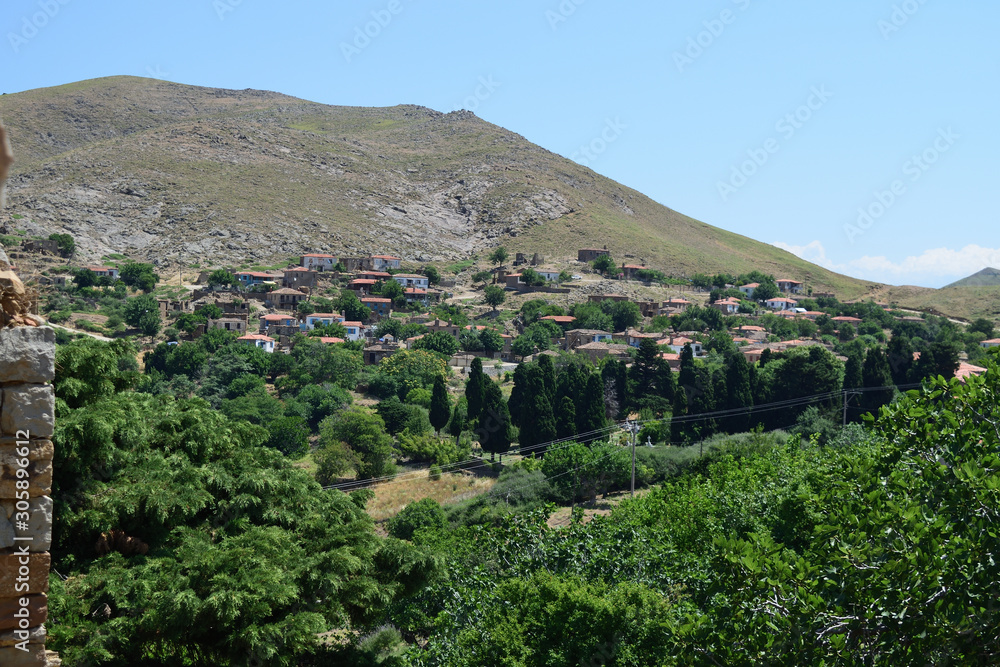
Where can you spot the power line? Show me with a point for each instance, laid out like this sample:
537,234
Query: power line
590,436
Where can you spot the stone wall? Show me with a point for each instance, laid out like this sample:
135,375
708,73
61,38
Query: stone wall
27,411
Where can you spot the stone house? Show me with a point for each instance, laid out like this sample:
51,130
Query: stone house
236,324
300,277
380,306
318,262
385,262
285,298
590,254
577,337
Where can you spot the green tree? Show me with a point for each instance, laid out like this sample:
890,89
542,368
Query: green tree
983,326
333,459
523,346
351,307
459,418
391,289
494,430
364,432
900,357
491,340
565,418
84,278
475,388
65,243
423,514
221,278
624,314
592,417
765,290
139,276
537,422
499,256
494,296
440,410
412,369
739,394
652,380
136,307
433,276
532,278
440,342
289,435
604,265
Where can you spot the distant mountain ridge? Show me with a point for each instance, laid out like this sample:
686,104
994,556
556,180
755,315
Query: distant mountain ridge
988,277
180,174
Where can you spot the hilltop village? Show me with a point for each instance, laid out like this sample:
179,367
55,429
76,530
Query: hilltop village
384,304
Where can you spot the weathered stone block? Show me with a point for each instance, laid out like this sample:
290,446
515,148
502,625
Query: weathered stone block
17,570
29,407
35,636
39,479
39,524
33,657
38,450
38,611
38,470
27,355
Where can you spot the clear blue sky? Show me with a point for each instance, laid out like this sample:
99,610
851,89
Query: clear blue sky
886,81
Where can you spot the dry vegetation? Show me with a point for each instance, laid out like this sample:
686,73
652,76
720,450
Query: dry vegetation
391,497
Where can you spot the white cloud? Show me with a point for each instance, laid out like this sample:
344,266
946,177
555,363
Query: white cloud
931,266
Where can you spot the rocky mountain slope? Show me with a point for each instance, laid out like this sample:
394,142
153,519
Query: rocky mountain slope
179,174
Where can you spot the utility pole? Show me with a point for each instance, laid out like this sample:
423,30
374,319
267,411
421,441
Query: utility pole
845,409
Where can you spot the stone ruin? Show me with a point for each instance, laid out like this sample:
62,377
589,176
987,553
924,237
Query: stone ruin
27,420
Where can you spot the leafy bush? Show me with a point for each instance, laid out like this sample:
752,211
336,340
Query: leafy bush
424,514
427,447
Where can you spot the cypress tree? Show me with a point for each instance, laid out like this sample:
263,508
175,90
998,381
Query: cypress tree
440,410
514,403
592,417
459,415
566,418
739,394
678,430
475,387
494,422
538,423
875,373
900,354
548,371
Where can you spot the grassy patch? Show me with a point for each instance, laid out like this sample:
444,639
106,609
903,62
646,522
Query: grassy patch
458,267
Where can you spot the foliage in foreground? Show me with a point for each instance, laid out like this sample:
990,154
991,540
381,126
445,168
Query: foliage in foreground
878,552
184,541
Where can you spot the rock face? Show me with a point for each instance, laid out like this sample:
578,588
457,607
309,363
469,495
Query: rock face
27,368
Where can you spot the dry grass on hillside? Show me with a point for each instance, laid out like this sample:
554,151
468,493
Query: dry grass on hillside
391,497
